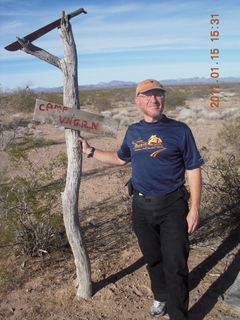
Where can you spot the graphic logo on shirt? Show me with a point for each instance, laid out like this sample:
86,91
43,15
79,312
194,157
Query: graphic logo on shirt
154,139
153,142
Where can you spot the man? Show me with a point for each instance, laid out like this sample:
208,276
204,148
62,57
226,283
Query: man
161,150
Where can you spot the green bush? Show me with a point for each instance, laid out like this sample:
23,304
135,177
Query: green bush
30,205
22,99
19,146
197,90
104,99
174,97
221,188
230,134
56,97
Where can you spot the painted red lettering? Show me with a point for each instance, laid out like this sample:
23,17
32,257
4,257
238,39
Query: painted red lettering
77,122
84,124
95,125
63,119
49,106
57,107
41,107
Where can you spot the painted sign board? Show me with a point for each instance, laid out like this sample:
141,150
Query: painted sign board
79,120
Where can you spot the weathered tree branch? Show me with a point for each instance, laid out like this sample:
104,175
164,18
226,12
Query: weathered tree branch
29,48
68,65
74,170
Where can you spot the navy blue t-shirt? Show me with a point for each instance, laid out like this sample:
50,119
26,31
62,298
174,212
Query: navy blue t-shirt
159,152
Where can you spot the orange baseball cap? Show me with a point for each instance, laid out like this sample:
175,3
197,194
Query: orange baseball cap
147,85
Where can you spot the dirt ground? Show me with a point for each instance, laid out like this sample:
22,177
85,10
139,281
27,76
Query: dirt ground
45,289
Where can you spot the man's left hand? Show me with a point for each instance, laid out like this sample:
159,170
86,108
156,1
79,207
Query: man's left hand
192,220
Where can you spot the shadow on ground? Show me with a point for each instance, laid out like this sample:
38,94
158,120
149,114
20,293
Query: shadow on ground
216,291
119,275
108,230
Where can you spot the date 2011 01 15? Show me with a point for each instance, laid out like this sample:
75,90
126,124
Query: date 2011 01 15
214,55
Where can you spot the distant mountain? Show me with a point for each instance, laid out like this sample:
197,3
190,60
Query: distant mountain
198,80
111,84
100,85
43,89
124,84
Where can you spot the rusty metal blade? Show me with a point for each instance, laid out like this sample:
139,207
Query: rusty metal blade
40,32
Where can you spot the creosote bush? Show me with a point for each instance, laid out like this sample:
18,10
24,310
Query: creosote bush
175,97
23,99
224,181
30,205
25,143
230,134
105,99
221,188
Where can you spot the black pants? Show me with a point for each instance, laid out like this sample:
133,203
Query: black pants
163,239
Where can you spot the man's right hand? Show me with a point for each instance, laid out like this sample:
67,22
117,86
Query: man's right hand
109,157
86,148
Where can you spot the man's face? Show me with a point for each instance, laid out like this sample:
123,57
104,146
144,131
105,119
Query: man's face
151,103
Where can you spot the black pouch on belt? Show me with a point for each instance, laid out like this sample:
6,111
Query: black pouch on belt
186,193
156,202
130,187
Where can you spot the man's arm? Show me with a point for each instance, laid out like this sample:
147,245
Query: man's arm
195,186
109,157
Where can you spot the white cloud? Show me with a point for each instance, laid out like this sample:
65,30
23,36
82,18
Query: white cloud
11,27
104,10
163,8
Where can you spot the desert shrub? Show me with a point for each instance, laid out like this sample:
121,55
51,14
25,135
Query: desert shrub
231,86
230,134
20,145
174,97
3,99
104,99
22,99
30,205
102,102
197,90
56,97
221,188
221,193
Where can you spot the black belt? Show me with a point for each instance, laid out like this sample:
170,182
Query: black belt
159,201
155,196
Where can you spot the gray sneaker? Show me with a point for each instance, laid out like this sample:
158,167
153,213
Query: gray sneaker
158,308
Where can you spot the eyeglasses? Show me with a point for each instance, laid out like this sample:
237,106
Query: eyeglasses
147,96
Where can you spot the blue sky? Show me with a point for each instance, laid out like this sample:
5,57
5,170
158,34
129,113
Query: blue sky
122,40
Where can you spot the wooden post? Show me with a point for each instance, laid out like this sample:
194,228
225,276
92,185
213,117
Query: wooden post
68,65
74,170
